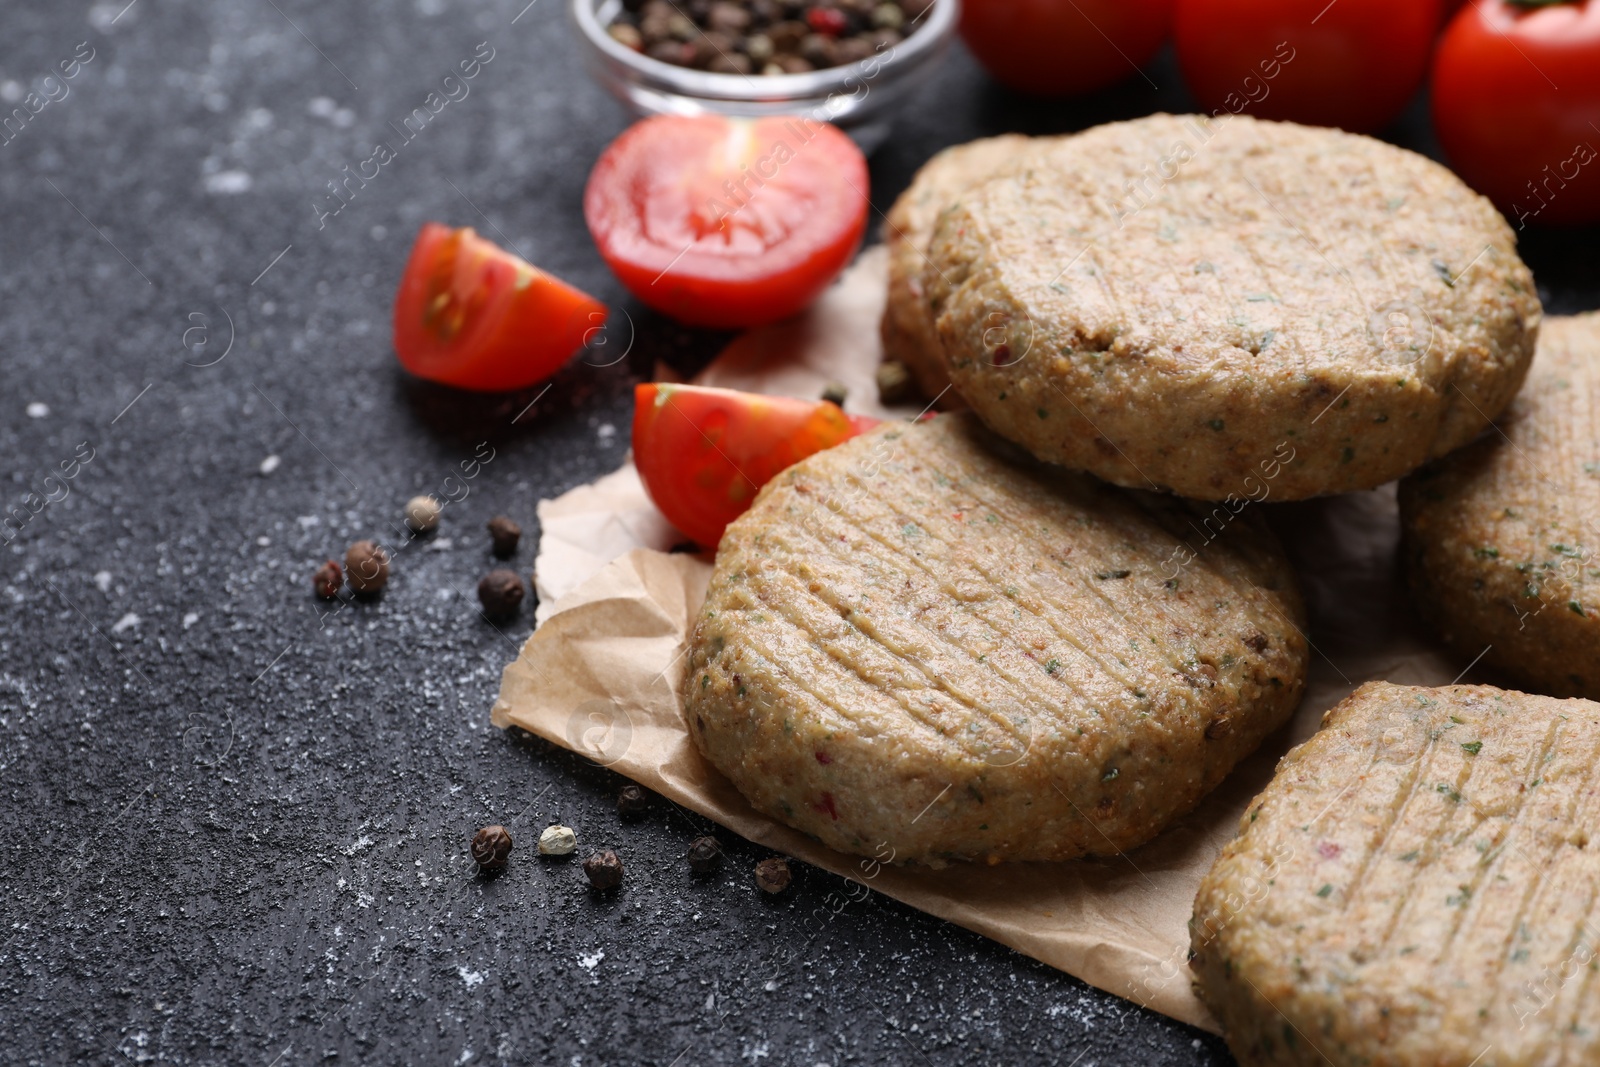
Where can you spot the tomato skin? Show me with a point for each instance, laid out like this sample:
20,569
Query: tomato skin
724,222
1057,48
1527,145
703,454
472,315
1354,64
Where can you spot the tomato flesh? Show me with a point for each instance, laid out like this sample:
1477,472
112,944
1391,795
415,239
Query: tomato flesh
1354,64
1506,127
1054,48
728,222
703,454
472,315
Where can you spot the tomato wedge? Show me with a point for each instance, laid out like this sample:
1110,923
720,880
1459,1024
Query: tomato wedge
472,315
728,222
703,453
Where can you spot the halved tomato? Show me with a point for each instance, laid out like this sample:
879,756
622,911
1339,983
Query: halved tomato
728,222
472,315
704,453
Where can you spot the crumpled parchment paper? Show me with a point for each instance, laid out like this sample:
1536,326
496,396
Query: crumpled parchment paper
601,676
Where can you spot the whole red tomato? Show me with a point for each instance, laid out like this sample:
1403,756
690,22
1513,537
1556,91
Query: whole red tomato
1348,63
1057,47
1516,100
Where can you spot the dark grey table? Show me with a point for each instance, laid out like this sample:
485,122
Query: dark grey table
235,826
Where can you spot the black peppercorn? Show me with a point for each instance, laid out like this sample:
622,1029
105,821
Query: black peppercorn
490,847
367,566
604,870
501,593
772,875
632,802
505,535
326,582
705,855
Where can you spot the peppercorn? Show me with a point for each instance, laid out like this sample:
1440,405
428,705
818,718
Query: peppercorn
711,46
894,382
819,50
835,393
772,874
367,567
773,36
422,514
675,52
501,593
632,802
852,50
504,534
729,64
786,36
758,47
827,20
326,582
728,17
604,870
490,847
557,841
627,36
705,855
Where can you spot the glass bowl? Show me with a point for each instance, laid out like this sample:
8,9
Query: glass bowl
857,97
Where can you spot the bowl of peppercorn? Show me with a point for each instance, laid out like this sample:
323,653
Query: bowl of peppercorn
848,62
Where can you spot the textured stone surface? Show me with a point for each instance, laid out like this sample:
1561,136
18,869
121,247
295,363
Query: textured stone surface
236,831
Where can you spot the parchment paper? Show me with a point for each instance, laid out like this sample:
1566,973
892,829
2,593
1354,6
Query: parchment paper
601,676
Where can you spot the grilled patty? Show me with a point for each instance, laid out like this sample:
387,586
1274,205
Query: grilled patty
1415,887
1501,537
1167,301
916,646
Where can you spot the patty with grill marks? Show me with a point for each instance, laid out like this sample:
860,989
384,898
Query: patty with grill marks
923,645
1416,887
1165,302
1502,538
907,327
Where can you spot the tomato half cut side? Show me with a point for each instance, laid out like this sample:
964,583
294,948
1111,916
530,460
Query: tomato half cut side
472,315
703,454
725,222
